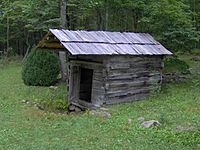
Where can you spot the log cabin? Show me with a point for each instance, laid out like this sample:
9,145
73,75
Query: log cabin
108,67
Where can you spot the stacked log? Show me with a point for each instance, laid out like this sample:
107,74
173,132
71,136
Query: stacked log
131,78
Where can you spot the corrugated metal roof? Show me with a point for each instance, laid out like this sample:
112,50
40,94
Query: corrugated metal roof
109,43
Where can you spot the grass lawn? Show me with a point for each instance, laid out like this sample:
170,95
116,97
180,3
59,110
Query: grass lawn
177,107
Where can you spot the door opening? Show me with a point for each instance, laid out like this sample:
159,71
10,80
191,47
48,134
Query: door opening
86,84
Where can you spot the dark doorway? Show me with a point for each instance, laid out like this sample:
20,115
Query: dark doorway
86,84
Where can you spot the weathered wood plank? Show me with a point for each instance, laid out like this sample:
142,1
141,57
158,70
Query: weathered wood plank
124,59
129,76
98,90
74,83
144,65
94,58
127,81
131,87
130,70
85,62
131,91
126,99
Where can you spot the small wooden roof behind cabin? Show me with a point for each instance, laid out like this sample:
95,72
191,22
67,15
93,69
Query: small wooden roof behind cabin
103,43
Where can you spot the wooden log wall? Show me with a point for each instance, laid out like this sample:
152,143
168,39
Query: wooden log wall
130,78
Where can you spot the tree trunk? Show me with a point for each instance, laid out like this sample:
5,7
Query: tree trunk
62,55
63,20
7,34
28,47
106,14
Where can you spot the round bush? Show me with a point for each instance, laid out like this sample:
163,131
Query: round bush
41,68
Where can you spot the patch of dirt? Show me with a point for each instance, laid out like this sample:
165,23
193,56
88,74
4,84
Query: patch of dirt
33,113
196,58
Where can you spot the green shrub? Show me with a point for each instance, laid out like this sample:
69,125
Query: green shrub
196,52
56,105
175,65
41,68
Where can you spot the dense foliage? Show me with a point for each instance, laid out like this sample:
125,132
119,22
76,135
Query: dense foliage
175,23
41,68
175,65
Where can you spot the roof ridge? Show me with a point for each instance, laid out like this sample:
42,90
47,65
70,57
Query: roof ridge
109,43
102,31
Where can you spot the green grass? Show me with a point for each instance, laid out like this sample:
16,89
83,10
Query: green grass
25,127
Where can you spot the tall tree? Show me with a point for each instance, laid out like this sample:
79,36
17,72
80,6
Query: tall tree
62,54
176,23
63,20
106,14
7,35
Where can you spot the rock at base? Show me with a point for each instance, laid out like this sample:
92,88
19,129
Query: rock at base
71,108
74,108
150,123
77,109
